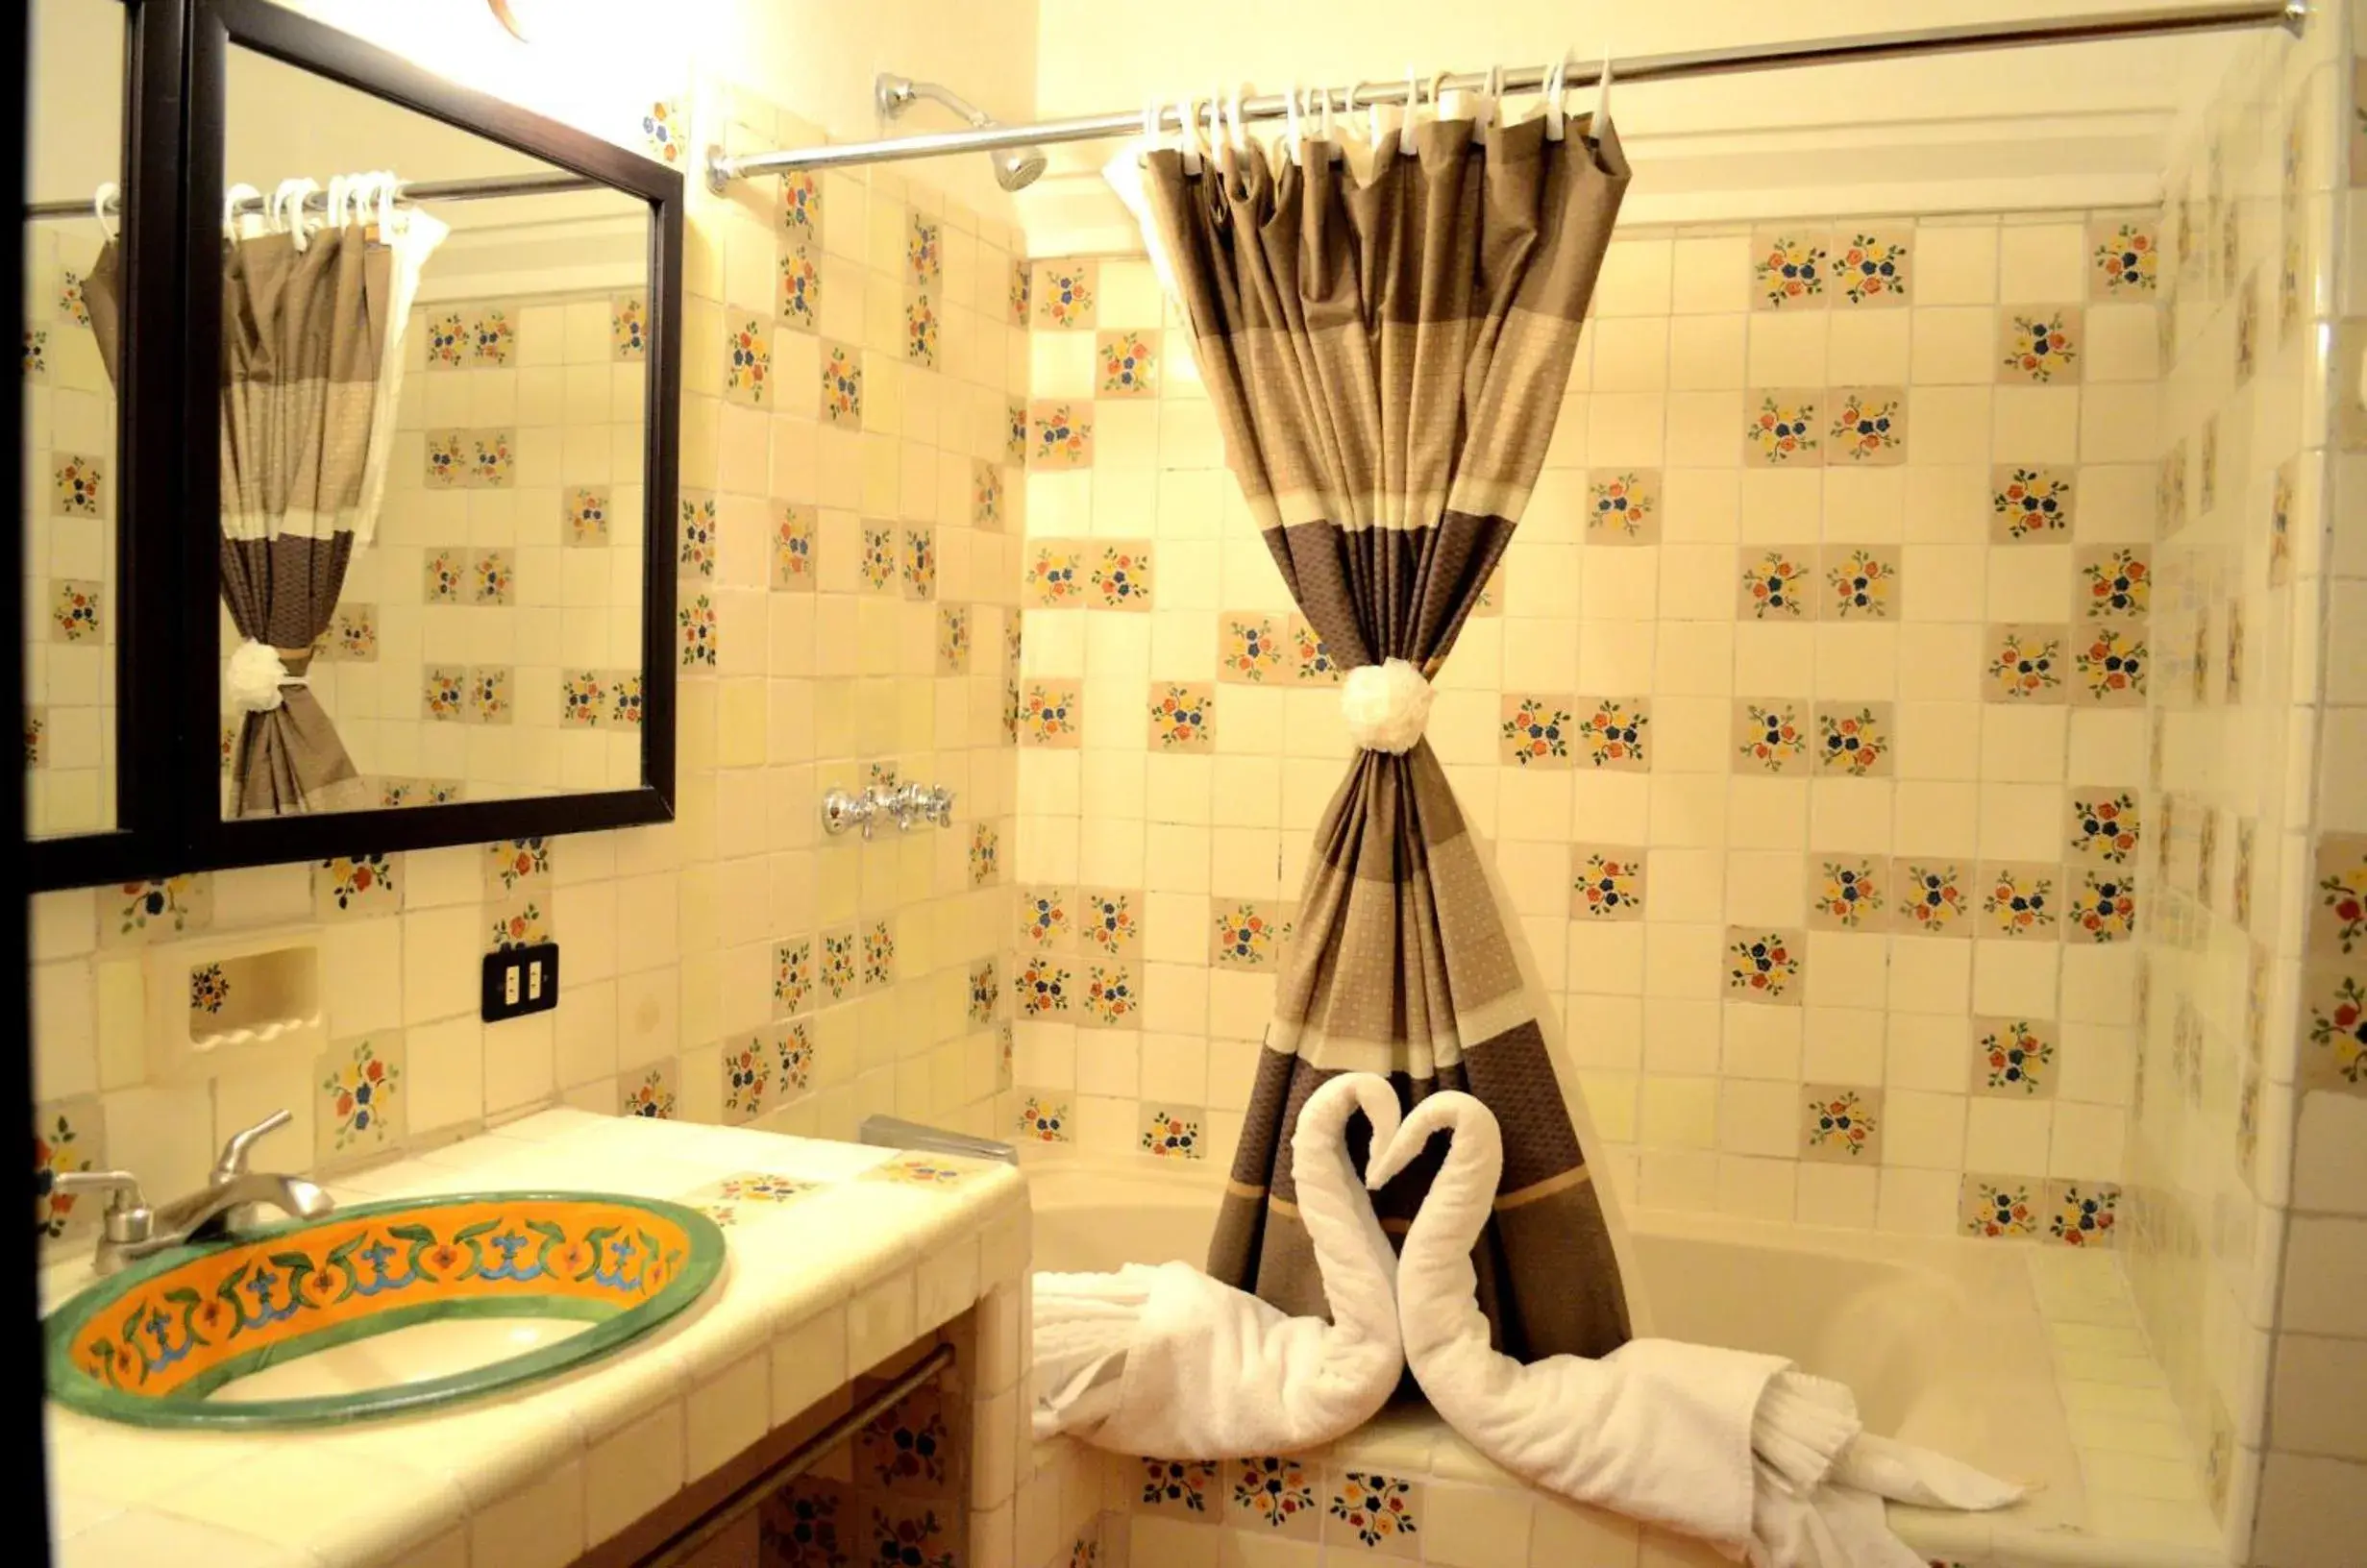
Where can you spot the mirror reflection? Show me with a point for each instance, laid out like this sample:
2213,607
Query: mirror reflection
434,372
68,317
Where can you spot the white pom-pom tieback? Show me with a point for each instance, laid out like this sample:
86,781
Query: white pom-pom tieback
1386,706
257,675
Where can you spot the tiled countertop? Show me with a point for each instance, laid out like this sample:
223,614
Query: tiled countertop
847,1271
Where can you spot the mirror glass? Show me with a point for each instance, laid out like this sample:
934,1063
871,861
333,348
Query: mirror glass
434,443
68,507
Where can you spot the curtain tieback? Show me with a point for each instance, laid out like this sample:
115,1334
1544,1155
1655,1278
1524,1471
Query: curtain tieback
1386,706
258,670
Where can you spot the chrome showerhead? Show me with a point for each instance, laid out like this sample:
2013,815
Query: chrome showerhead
1016,168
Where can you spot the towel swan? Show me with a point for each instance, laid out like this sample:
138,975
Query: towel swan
1762,1460
1162,1360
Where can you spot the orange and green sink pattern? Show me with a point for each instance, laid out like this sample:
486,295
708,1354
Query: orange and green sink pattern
150,1345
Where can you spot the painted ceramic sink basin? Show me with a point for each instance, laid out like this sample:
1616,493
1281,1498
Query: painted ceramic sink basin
385,1309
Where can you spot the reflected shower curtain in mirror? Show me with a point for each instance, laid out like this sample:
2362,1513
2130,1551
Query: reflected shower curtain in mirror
1385,360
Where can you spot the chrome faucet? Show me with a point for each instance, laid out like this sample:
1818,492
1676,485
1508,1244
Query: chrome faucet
130,1230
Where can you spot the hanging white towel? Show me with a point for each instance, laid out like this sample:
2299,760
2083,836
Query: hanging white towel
1761,1459
1163,1361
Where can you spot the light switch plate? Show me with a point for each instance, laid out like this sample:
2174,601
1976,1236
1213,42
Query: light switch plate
520,980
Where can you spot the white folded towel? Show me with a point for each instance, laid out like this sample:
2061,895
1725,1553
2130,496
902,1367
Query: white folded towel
1164,1362
1762,1460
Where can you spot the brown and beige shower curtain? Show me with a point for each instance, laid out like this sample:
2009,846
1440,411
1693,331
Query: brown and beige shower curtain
1386,359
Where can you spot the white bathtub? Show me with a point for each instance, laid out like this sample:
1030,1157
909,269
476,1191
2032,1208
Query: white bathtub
1941,1338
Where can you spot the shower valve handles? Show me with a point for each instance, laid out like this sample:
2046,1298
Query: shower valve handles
907,805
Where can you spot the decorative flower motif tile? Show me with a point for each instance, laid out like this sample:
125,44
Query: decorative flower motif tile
985,855
1112,999
1311,661
923,251
1042,986
800,202
2104,825
36,727
919,563
1853,741
1121,576
2020,900
443,697
907,1448
2115,581
77,610
629,327
78,485
2335,1028
1861,583
695,536
838,963
1019,296
351,637
1847,893
209,989
2338,919
663,134
1764,965
695,623
952,639
1770,736
2025,664
489,695
842,385
447,340
1052,715
513,864
2038,345
792,548
1381,1512
1015,433
1272,1496
132,913
493,337
2029,501
2104,907
2013,1058
2247,328
1998,1207
878,955
1607,882
624,696
519,923
68,1136
1061,434
490,577
1106,919
1789,268
985,993
922,328
986,503
793,975
747,361
2239,880
1934,897
1044,1119
1249,648
1842,1125
443,570
1125,364
1611,733
1533,730
2122,260
2081,1213
2111,661
1623,506
1066,293
73,297
1870,268
35,361
353,887
747,1065
1248,934
1181,717
1868,427
648,1091
1044,919
876,568
1056,576
935,1172
1782,429
1776,584
799,296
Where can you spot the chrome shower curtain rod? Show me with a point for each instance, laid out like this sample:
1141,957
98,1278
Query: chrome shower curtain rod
409,190
2094,27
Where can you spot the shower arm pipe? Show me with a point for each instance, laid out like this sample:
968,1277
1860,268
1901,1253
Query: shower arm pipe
2095,27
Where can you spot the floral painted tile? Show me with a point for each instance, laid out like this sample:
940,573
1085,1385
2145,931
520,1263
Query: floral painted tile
2013,1058
354,887
1248,934
878,958
985,855
695,536
1854,740
514,864
1043,986
2335,1028
842,385
695,621
583,515
907,1448
662,132
2038,345
1782,429
918,563
1125,364
36,729
1861,582
522,921
1249,648
798,299
2104,823
1770,735
2109,660
493,459
73,297
443,694
1776,584
2240,874
443,574
1015,431
1046,919
629,327
35,363
1311,660
792,548
2103,908
448,460
2115,581
362,1097
1611,733
1999,1208
1870,267
2020,900
134,912
1019,294
1763,964
1866,426
624,696
1381,1511
747,1067
1106,919
209,989
447,340
800,202
1789,268
77,486
1934,897
1847,893
2029,501
985,993
1066,293
876,566
489,688
793,975
1275,1496
747,361
1623,506
2247,328
491,578
2124,259
986,495
1535,730
493,337
2081,1213
923,251
1182,717
68,1136
1121,576
2337,918
77,610
1052,715
837,970
1061,434
2025,664
1112,998
1840,1124
648,1091
1606,882
1055,578
922,328
1044,1118
954,639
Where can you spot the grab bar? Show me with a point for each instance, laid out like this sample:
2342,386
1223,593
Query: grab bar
895,1133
